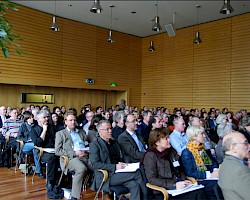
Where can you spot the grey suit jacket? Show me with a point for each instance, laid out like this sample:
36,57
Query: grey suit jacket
130,148
64,144
234,179
99,158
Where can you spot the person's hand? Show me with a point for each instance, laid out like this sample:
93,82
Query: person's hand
121,165
182,184
212,151
81,153
215,174
45,126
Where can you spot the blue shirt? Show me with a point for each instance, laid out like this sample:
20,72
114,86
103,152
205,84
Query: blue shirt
77,141
178,141
137,141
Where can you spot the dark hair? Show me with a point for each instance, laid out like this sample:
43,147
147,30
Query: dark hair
95,119
156,134
56,107
26,115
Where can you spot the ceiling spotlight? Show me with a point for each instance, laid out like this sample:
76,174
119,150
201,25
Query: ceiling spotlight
157,26
54,26
227,8
111,38
151,47
197,39
96,8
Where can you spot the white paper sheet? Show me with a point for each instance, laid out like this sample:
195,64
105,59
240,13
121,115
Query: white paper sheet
189,188
131,167
49,150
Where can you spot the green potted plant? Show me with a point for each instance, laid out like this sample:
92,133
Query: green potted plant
7,34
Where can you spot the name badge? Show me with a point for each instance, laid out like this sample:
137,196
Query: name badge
176,163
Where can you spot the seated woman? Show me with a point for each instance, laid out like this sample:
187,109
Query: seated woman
24,135
196,162
56,122
159,168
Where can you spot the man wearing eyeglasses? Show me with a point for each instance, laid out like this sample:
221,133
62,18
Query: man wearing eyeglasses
132,143
178,138
234,174
105,153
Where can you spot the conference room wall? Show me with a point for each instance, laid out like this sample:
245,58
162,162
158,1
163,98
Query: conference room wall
66,58
214,73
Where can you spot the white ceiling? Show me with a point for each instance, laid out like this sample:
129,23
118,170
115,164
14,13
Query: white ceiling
139,24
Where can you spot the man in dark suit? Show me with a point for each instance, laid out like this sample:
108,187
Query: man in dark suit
70,142
234,174
132,144
105,153
43,135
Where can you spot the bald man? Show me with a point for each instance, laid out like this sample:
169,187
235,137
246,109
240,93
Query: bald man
234,174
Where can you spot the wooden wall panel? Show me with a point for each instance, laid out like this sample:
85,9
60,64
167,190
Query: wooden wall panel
211,74
240,71
211,85
69,97
66,58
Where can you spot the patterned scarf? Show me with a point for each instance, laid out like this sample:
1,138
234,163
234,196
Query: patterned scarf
200,156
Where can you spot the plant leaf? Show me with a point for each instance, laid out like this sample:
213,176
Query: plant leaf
5,52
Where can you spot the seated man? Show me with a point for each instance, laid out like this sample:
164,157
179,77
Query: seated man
70,142
105,153
178,138
132,143
43,135
10,129
234,175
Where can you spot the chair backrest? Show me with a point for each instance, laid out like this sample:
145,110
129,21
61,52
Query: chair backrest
218,192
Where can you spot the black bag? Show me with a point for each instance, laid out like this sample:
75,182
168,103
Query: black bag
55,193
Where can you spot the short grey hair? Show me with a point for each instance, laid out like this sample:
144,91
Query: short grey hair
42,112
98,126
194,131
227,143
118,115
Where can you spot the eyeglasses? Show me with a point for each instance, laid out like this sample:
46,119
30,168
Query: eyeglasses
245,143
106,129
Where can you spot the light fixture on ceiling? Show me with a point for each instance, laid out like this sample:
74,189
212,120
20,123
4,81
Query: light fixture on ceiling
54,26
157,26
197,39
96,8
151,47
227,8
170,28
111,38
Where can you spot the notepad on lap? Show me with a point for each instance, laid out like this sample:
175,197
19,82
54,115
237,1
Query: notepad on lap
49,150
131,167
189,188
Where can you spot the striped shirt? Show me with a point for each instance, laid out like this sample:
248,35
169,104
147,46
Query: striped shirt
11,127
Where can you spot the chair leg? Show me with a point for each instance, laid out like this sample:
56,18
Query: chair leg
26,164
86,182
59,182
35,169
17,159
